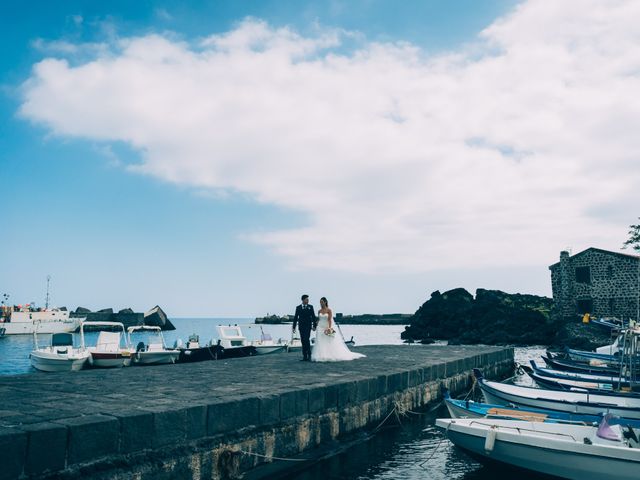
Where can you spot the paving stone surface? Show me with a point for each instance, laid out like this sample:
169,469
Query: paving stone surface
45,397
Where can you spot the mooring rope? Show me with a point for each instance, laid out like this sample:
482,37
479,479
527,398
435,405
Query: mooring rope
421,465
271,457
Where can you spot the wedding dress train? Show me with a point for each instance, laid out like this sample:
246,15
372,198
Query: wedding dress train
330,348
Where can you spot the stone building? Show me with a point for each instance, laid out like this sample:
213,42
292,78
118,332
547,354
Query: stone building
602,283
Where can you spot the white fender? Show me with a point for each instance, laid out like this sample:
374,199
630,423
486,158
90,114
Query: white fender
490,441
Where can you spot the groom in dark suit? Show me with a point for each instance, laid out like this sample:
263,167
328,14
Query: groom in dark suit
306,317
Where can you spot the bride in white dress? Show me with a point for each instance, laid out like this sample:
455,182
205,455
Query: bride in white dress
329,345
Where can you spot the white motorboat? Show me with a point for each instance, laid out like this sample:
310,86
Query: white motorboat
267,345
24,320
151,348
60,355
111,349
233,342
567,451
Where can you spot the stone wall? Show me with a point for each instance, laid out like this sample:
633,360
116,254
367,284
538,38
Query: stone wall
610,289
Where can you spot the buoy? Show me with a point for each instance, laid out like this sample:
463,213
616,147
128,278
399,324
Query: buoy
490,441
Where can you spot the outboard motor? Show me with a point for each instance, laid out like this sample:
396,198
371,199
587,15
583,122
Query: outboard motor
140,347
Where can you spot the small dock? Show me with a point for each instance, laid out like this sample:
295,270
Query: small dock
217,419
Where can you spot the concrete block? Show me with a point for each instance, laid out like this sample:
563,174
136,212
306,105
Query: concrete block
196,421
13,452
233,415
382,385
346,394
91,437
394,382
169,426
269,409
316,400
373,389
46,448
294,403
415,377
136,430
330,397
362,390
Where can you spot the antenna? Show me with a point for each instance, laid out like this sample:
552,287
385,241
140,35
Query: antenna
46,300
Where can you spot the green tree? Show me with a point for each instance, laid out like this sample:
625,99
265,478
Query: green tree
634,237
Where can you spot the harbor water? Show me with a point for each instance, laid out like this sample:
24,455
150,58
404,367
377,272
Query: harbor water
410,449
15,349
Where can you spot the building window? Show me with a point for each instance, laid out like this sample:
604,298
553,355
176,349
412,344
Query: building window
612,306
609,272
583,275
585,306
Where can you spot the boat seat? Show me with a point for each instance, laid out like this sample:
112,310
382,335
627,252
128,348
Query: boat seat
108,342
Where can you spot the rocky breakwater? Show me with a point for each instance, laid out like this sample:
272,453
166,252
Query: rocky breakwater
497,318
153,317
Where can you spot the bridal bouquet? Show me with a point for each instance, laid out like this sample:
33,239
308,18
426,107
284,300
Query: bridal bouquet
330,332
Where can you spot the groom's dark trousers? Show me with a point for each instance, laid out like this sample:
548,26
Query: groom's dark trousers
305,317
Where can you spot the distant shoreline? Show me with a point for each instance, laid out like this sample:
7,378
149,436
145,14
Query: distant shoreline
364,319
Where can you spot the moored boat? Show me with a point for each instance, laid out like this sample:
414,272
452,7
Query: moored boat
557,363
563,401
23,320
192,351
60,355
266,344
565,374
234,343
151,348
471,409
111,349
574,452
563,383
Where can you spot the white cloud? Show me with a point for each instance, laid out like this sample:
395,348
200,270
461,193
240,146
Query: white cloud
496,154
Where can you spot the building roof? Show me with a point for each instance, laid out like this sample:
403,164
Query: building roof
593,249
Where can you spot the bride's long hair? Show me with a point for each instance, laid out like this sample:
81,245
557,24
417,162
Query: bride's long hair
326,302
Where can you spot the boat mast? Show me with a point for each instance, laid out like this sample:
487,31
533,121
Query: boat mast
46,300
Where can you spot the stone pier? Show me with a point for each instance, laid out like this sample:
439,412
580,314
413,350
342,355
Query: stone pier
217,419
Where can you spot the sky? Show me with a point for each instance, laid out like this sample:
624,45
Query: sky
220,158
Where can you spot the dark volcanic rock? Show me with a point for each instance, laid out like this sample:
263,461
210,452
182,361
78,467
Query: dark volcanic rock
125,311
82,310
575,334
493,317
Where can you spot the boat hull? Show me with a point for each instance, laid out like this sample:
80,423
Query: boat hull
266,350
57,363
156,358
237,352
199,354
571,402
572,366
28,328
109,360
556,457
463,409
